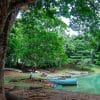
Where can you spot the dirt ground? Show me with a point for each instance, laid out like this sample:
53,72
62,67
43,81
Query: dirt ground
46,94
44,91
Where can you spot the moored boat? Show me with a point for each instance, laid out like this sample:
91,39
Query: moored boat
67,81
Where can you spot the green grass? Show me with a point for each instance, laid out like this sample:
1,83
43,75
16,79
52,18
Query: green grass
8,80
23,84
89,68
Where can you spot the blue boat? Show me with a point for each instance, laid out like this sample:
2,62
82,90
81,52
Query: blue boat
67,81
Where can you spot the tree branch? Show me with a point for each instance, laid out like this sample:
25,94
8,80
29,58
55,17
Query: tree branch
19,3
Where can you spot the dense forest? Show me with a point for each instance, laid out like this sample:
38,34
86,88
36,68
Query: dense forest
38,39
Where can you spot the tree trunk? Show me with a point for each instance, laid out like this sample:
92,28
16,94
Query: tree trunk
8,13
3,47
3,17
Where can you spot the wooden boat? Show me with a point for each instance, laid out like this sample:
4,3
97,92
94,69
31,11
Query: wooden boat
67,81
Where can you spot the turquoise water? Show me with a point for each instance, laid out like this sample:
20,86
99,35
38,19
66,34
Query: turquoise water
87,84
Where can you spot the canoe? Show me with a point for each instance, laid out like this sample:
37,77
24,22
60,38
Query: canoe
67,81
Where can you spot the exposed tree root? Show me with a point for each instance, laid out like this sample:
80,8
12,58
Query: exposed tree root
10,96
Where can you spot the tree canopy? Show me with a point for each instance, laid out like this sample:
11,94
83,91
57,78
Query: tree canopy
84,15
36,40
42,21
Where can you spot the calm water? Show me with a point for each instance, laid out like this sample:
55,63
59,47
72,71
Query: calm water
87,84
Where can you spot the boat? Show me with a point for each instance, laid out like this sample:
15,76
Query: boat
67,81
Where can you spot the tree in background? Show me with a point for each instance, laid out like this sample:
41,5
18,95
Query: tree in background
16,45
84,50
36,40
78,49
93,38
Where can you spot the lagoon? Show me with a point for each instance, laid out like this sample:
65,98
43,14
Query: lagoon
86,84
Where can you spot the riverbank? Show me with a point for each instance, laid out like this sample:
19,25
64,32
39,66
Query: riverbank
40,91
49,94
19,84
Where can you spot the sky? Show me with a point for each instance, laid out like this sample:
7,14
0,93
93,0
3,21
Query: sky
68,30
19,15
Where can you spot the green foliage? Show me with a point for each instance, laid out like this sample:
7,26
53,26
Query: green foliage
83,12
78,51
9,80
36,40
16,45
46,48
84,50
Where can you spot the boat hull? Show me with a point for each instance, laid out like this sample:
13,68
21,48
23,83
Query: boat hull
68,81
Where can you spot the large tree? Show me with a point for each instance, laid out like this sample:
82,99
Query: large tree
8,12
81,10
36,34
